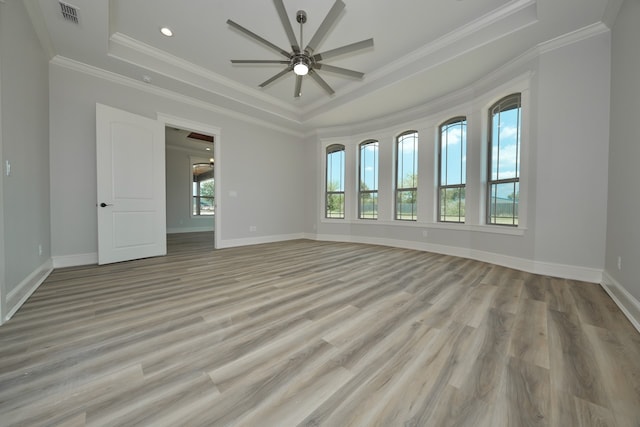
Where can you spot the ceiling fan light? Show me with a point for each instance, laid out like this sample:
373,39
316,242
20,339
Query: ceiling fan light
301,68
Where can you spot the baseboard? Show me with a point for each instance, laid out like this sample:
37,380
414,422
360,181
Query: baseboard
544,268
75,260
231,243
189,230
623,299
16,297
573,272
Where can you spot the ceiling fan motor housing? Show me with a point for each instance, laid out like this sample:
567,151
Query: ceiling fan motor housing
304,61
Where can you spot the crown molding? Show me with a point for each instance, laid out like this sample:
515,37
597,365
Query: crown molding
519,68
499,23
464,32
573,37
125,48
165,93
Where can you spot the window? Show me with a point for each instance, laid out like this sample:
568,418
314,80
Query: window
407,176
334,201
368,190
452,170
504,161
203,189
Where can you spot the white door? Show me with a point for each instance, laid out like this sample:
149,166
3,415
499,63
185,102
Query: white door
131,186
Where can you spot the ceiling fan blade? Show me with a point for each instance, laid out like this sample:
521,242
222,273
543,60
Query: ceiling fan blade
339,70
276,77
321,82
257,37
298,89
282,12
344,49
258,61
323,29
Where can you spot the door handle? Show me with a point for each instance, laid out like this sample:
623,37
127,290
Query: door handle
104,205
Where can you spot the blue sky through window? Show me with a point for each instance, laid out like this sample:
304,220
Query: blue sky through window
454,153
335,171
408,160
369,166
505,155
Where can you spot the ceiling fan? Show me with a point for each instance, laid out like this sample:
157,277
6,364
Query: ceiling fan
304,62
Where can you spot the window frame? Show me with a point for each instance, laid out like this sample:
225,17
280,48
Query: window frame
462,186
370,192
196,198
397,187
330,149
502,104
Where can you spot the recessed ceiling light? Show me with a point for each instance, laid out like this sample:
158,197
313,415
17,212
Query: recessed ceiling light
208,149
166,31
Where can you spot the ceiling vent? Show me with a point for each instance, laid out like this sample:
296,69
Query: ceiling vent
69,12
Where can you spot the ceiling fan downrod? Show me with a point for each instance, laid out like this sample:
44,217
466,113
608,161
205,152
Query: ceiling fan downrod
304,61
301,17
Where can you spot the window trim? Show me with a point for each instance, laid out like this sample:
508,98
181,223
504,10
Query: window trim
360,191
453,120
505,101
330,149
194,161
397,189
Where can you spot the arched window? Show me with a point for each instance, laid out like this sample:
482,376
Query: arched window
202,189
368,188
504,161
452,174
407,175
334,189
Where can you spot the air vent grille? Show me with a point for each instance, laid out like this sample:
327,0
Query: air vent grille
69,12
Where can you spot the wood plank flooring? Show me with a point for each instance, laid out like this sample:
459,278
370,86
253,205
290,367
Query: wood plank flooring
305,333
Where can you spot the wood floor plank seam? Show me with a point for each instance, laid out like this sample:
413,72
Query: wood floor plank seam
316,334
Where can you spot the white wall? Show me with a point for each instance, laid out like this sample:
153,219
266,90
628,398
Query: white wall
259,166
24,125
623,207
563,186
179,179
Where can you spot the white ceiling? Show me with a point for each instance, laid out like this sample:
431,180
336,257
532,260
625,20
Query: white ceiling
423,49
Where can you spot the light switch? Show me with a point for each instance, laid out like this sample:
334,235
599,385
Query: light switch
7,169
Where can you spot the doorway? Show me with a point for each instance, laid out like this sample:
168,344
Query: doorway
192,180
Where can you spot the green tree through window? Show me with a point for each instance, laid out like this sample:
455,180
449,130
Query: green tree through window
368,191
203,190
452,170
504,161
407,176
334,195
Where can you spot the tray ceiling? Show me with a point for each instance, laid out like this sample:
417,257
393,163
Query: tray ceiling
423,49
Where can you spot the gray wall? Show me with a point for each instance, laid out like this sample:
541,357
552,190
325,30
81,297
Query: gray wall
24,128
566,186
623,230
572,152
259,183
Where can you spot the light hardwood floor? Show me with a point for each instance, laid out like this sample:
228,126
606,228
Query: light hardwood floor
311,333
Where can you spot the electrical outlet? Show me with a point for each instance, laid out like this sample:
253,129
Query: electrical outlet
252,228
39,250
425,233
619,263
